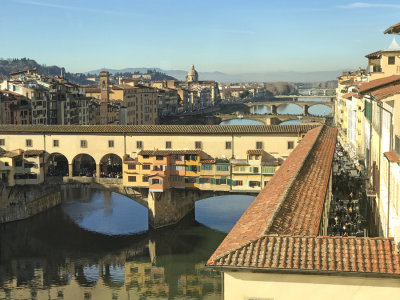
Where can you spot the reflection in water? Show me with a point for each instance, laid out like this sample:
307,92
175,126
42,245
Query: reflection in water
50,257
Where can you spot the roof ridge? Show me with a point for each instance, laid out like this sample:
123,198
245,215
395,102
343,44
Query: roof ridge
293,180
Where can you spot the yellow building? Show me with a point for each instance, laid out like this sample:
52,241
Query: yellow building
385,62
141,102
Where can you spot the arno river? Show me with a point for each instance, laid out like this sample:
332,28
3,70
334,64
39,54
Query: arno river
97,245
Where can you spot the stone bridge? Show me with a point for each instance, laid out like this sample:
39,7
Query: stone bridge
304,105
272,119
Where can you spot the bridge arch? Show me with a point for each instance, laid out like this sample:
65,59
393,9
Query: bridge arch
113,275
56,165
312,109
299,105
111,166
84,165
87,276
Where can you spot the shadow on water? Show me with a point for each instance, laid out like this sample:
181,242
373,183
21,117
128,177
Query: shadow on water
165,263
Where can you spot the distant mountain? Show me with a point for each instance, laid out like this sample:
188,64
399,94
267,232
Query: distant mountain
8,66
243,77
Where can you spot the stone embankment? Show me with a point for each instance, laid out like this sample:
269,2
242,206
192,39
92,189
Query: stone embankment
21,202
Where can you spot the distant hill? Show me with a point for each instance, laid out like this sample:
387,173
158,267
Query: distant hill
8,66
244,77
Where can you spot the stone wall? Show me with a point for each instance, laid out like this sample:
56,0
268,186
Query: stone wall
21,202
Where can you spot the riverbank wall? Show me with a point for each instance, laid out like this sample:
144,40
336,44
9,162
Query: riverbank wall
21,202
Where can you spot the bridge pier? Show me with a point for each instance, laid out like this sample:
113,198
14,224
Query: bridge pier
273,109
97,170
169,207
305,110
70,169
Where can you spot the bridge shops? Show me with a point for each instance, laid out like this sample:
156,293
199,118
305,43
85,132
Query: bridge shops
226,158
159,170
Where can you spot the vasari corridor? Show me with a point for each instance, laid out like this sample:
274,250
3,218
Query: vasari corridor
215,150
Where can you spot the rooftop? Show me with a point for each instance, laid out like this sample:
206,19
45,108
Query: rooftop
315,254
373,84
349,95
387,91
279,230
155,129
394,29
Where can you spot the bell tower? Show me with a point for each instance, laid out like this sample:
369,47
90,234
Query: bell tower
104,86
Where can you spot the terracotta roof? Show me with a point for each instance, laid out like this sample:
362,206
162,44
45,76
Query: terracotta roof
168,152
207,161
392,157
92,90
309,253
374,54
155,129
351,94
10,154
393,29
387,91
348,82
367,86
256,152
301,211
259,216
33,152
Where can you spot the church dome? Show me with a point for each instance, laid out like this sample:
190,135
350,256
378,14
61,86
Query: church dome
192,75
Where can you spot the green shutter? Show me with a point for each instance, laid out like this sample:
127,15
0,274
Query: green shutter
217,181
229,182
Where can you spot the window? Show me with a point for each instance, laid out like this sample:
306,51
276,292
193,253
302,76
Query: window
391,60
159,157
132,178
110,144
131,167
177,168
192,168
56,143
6,164
168,145
28,143
139,144
254,183
83,143
191,157
222,167
259,145
87,296
2,142
146,167
228,145
197,145
206,167
253,169
290,145
397,144
177,157
145,179
238,182
268,170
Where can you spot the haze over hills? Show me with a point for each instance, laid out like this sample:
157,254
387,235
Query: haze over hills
243,77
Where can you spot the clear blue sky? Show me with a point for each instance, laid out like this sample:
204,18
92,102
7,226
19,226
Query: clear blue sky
215,35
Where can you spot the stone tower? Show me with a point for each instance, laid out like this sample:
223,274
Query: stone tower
104,86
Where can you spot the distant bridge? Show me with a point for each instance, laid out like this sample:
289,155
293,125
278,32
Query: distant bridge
272,119
304,105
